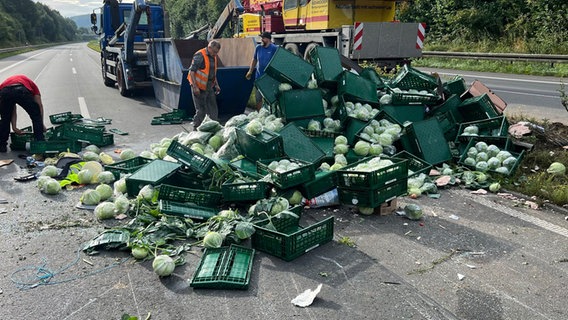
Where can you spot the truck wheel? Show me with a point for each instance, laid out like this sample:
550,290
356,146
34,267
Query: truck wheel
292,47
120,81
309,48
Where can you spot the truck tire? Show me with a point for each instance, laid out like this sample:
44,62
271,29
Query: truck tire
309,48
292,47
107,81
120,81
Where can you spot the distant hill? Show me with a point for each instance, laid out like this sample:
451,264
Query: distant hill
82,21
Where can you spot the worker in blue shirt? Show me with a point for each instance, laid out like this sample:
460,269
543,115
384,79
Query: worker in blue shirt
262,55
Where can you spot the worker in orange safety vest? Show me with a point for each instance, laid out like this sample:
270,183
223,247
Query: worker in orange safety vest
203,80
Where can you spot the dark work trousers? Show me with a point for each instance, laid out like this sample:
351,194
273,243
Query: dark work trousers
205,104
9,97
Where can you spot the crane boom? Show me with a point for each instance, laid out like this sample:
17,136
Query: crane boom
232,9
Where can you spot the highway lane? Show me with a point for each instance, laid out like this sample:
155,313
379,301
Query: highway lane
69,79
533,96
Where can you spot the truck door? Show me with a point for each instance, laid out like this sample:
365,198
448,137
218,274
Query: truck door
295,13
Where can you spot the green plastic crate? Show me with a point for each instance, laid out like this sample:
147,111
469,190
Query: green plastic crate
410,78
246,167
371,74
378,117
494,127
353,127
349,178
455,86
477,108
375,197
416,165
84,134
356,88
413,98
447,124
54,146
187,178
187,210
268,88
298,146
426,140
327,64
54,133
245,191
126,166
290,240
450,105
196,161
64,117
284,180
153,173
18,141
202,198
325,144
324,181
503,144
266,145
301,104
402,114
290,68
224,268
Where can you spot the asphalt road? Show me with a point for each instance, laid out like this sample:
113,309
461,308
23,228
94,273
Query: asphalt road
512,261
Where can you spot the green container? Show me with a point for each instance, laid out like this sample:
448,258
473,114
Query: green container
352,127
64,117
425,139
503,144
301,104
349,178
244,191
324,181
153,173
372,75
410,78
290,240
18,141
374,197
447,124
408,98
327,64
298,146
266,145
455,86
202,198
246,167
187,178
89,135
290,68
54,146
356,88
416,165
126,166
488,128
187,210
450,105
196,161
325,144
284,180
268,88
404,113
224,268
477,108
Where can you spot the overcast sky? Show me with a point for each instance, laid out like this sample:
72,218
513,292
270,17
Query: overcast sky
71,8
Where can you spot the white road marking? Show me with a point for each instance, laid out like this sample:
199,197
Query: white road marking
529,94
83,108
71,60
20,62
74,70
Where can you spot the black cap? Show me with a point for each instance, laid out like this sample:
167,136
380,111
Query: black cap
266,35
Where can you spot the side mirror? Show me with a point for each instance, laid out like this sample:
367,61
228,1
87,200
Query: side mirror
93,18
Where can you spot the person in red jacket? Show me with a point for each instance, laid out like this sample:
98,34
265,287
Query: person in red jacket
21,90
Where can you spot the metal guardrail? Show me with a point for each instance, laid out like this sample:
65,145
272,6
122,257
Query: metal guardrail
546,58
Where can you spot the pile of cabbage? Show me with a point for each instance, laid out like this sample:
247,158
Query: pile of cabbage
484,157
381,131
285,165
329,125
372,164
360,111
